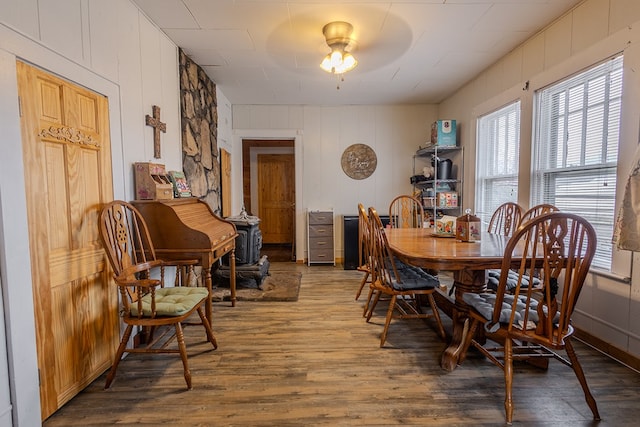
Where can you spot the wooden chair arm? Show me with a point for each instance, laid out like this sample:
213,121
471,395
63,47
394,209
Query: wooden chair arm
142,283
181,263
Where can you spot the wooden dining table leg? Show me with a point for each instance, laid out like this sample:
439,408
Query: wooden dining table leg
464,281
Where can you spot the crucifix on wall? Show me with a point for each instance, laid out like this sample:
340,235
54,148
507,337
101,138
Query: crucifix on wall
158,126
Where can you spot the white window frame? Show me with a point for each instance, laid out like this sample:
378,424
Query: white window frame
575,148
497,157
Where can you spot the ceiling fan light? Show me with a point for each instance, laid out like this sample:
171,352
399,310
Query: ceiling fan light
336,58
338,38
326,64
349,62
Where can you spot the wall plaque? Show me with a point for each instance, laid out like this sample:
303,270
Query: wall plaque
359,161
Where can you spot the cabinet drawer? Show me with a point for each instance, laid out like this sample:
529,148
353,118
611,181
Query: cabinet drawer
321,255
325,242
320,218
320,230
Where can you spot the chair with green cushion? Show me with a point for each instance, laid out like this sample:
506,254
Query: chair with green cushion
532,321
139,276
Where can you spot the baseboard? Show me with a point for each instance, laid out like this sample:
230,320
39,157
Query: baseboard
608,349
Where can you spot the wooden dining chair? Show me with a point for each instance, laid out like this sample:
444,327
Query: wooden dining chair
403,283
505,219
364,248
406,212
534,321
537,210
493,275
139,276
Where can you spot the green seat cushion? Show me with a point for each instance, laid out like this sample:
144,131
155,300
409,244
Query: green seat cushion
171,301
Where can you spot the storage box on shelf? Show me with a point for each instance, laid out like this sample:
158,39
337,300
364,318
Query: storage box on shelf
444,133
441,182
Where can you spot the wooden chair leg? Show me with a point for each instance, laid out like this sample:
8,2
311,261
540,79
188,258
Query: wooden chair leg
372,305
116,360
207,327
436,315
387,322
362,283
577,368
508,380
183,354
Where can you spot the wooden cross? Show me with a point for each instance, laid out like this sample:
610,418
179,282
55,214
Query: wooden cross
157,127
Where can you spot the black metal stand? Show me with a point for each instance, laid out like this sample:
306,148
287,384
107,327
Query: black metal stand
257,272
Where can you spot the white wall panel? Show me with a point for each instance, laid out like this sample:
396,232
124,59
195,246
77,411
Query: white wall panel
557,42
103,18
22,15
512,69
61,27
533,56
151,81
623,13
130,78
588,25
171,144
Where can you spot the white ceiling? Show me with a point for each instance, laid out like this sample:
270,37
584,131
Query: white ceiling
411,51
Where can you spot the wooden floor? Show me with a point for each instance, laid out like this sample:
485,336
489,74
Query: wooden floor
316,362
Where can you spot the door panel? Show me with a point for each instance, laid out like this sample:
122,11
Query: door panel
67,158
276,197
225,182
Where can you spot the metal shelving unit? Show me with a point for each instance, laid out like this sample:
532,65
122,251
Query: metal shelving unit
434,191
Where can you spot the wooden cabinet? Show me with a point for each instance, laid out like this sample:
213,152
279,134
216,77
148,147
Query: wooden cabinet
320,237
441,190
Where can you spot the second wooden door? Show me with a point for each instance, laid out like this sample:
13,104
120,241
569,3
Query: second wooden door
276,197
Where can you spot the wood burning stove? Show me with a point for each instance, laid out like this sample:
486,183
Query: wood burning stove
249,263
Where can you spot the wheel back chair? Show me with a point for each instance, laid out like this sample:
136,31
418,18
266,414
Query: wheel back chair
534,321
403,283
406,212
139,276
364,252
505,219
493,275
537,210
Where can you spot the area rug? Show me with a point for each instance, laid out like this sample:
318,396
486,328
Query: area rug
278,286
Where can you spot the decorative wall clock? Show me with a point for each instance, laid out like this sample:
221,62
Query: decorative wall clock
359,161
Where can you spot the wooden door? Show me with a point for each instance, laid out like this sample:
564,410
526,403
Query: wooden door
67,157
276,197
225,182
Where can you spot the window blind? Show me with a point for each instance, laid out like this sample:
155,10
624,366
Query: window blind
497,153
576,148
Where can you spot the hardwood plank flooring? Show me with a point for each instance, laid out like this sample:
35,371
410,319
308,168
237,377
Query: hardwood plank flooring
316,362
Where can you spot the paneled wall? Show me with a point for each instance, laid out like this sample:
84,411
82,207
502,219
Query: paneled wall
593,31
111,48
321,135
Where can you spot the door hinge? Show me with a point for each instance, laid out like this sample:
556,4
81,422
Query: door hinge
20,106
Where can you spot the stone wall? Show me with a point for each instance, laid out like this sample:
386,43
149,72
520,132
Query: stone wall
200,132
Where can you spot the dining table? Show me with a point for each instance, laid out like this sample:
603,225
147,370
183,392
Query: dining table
468,263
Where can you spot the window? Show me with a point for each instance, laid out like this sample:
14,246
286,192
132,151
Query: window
576,148
497,152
